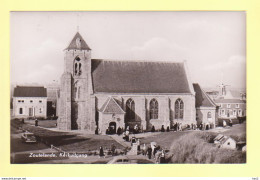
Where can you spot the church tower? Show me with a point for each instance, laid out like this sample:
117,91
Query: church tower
76,87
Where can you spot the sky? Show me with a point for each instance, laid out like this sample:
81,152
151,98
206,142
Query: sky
213,44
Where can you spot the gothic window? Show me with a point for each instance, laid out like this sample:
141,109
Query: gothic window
79,69
76,69
77,66
153,109
130,109
179,107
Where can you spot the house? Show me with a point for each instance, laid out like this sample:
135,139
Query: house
232,104
225,142
29,102
231,108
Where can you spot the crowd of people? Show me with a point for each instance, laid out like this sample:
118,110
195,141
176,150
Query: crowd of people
153,150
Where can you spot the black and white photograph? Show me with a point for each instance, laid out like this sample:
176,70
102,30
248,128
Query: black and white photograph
137,87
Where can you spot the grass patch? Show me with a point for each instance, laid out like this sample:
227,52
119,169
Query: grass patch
194,148
69,141
164,139
43,123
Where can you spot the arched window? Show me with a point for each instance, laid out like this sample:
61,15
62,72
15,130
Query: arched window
77,66
130,109
179,106
153,109
79,69
76,69
209,115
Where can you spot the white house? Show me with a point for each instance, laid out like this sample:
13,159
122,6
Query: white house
30,102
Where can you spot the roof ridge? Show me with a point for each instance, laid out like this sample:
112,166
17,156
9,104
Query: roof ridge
141,61
210,100
107,103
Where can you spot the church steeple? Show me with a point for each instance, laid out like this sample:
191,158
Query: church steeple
78,43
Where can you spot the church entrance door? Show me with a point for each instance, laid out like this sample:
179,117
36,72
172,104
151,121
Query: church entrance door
112,128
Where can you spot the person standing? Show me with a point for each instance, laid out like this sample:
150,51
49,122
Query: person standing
144,150
162,128
230,122
36,122
127,134
149,152
224,123
118,131
101,152
138,145
162,157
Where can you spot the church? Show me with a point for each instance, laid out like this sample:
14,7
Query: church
98,93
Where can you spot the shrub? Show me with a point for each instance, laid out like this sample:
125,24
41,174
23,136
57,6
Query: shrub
194,148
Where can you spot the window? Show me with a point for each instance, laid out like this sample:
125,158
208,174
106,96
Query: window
79,69
77,66
235,112
209,115
240,112
237,105
40,101
153,109
130,109
228,105
40,110
228,113
19,100
21,111
76,69
179,106
31,101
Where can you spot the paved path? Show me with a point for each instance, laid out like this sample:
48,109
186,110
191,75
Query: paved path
120,140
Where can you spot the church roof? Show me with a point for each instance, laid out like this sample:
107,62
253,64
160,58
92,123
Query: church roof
139,77
73,43
30,91
111,106
201,97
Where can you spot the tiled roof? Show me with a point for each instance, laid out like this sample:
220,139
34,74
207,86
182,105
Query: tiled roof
222,139
30,91
73,43
201,97
139,77
111,106
229,101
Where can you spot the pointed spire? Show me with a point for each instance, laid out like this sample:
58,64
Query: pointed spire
78,43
